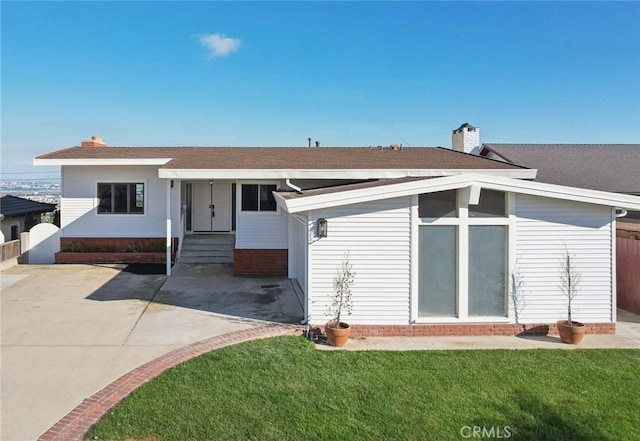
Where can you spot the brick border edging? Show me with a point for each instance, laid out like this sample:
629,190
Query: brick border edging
453,330
75,425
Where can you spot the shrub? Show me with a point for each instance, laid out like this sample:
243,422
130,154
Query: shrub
132,248
157,246
75,247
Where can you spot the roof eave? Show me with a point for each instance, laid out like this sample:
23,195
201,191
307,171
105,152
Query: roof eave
101,161
173,173
26,213
498,183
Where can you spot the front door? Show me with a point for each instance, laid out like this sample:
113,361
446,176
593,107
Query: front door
211,206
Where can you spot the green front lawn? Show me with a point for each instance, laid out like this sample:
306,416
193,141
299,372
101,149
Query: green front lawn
284,389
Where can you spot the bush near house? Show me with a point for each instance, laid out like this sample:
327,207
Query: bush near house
108,250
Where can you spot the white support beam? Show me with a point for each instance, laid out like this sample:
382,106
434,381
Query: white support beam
474,194
168,244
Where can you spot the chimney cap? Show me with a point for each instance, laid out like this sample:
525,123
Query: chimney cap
95,141
465,126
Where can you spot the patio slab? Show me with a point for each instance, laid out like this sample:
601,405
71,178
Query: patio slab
69,330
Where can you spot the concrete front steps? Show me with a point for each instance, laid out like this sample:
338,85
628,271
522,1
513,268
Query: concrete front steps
207,249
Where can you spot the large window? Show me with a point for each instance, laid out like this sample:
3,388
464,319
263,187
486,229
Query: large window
487,277
258,197
437,274
462,255
120,198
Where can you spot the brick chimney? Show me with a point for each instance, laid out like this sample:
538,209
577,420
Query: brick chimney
466,138
95,141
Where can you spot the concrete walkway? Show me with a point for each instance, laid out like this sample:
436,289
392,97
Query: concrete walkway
627,337
70,330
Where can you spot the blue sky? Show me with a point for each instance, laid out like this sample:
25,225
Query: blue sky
344,73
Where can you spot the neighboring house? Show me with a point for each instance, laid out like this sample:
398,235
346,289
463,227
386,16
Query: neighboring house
434,234
19,215
606,167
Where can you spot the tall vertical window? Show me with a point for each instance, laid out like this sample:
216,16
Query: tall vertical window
437,274
462,255
487,277
258,197
120,198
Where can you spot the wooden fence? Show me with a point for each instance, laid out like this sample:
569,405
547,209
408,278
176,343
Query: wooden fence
628,274
9,250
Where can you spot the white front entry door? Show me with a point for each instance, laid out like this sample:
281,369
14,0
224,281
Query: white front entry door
211,206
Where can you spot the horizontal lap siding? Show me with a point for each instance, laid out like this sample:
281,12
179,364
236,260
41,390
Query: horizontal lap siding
78,203
262,231
301,234
544,227
377,236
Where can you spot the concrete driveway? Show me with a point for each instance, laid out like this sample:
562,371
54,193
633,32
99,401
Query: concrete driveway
69,330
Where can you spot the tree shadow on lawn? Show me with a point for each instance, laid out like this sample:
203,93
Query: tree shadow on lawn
529,418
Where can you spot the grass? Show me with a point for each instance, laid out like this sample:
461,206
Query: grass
284,389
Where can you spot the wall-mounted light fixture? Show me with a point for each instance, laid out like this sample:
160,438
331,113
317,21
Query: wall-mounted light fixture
172,183
322,228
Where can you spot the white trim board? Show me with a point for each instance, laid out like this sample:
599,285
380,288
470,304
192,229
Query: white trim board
347,197
169,173
102,161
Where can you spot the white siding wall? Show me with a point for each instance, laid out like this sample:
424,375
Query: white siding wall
298,239
377,237
544,228
6,225
260,230
79,217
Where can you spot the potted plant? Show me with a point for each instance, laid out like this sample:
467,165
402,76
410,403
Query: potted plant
338,331
570,331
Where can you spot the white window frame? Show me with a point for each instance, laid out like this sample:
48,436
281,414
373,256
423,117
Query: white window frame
121,181
239,185
463,221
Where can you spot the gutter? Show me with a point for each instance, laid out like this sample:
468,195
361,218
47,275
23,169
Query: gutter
294,187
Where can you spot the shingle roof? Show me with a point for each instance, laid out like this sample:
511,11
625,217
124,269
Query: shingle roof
607,167
263,158
12,206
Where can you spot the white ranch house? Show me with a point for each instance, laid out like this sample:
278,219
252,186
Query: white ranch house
435,236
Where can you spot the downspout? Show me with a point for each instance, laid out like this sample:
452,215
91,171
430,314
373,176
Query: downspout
622,212
294,187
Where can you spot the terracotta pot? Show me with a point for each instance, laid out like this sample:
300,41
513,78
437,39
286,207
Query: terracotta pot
571,334
337,335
